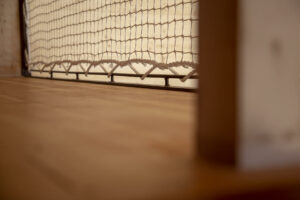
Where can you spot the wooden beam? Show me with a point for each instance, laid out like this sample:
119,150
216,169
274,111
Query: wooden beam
216,127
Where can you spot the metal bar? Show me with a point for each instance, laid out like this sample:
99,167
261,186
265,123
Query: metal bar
167,84
120,74
122,84
112,78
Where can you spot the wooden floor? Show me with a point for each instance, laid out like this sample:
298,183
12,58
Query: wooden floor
64,140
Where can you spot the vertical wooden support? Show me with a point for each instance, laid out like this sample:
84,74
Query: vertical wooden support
217,104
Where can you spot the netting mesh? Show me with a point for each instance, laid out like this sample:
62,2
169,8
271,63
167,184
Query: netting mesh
141,37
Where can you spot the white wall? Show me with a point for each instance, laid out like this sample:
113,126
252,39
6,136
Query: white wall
10,59
269,83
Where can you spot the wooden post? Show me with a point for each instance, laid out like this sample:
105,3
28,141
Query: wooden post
217,110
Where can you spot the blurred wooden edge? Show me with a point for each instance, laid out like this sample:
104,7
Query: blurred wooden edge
219,182
217,136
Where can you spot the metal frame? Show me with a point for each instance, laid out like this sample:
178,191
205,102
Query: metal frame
112,82
23,40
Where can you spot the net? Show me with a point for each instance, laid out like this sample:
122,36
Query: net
142,39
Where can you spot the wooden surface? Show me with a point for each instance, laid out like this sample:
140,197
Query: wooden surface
63,140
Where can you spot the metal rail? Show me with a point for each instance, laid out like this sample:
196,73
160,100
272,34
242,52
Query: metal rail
113,82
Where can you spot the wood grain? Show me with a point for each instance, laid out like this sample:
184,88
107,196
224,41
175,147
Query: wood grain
60,140
64,140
